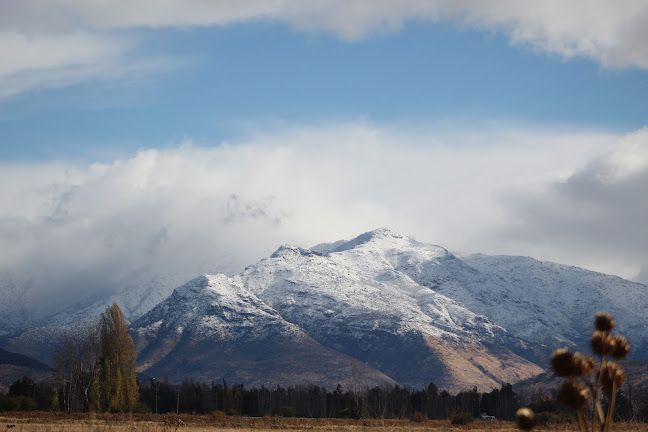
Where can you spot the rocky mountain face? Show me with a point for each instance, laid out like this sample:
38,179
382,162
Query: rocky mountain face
380,308
212,328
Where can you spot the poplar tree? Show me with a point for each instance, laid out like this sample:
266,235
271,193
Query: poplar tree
117,381
96,363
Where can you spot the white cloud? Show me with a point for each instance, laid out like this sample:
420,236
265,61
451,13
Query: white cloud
604,31
75,230
55,37
22,53
609,32
37,62
46,61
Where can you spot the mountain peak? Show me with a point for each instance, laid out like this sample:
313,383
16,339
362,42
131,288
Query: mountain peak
193,286
379,235
386,233
287,251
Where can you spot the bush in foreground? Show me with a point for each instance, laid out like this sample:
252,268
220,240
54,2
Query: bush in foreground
419,417
462,419
288,411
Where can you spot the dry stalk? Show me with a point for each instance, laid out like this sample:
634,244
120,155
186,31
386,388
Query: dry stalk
576,390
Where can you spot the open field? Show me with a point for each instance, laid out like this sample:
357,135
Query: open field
56,422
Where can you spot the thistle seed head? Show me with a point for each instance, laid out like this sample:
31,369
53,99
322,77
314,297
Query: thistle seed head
603,322
611,373
566,364
562,362
620,346
525,418
573,394
584,364
598,342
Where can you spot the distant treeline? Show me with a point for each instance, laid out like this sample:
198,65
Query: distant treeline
318,402
315,402
294,401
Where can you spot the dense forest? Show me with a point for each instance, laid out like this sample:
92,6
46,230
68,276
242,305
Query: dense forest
299,401
311,401
314,401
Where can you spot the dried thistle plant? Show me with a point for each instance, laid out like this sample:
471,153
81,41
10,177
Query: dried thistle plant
525,418
584,383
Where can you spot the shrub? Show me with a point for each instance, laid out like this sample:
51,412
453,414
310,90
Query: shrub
218,416
17,403
8,403
345,413
141,408
549,418
462,419
288,411
231,412
419,417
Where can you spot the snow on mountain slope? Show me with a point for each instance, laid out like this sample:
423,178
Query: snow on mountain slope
353,298
554,303
38,338
530,316
212,328
539,302
16,295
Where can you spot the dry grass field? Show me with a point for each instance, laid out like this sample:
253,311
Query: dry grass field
56,422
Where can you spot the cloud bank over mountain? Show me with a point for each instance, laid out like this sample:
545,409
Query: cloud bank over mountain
72,230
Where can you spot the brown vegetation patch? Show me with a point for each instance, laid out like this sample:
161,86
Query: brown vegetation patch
474,363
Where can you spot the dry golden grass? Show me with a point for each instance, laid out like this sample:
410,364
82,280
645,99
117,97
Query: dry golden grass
56,422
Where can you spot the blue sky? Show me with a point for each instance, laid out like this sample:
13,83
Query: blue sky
163,139
215,81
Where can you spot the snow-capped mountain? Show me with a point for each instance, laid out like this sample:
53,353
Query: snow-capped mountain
213,328
382,304
350,299
353,298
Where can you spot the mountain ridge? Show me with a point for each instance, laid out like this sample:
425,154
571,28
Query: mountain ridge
238,333
401,310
